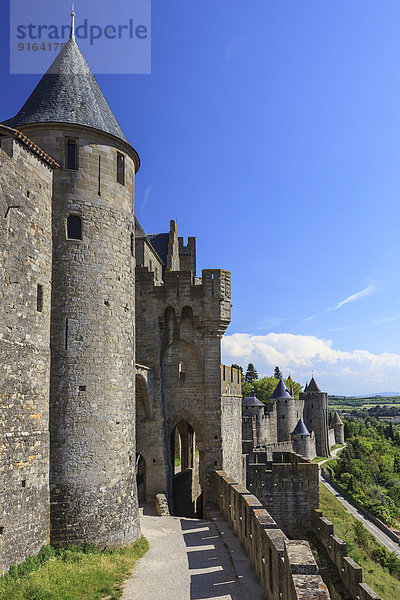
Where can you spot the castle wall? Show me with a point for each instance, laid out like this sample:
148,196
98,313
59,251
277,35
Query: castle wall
286,568
348,570
25,263
179,327
331,438
147,257
92,396
149,430
231,421
288,489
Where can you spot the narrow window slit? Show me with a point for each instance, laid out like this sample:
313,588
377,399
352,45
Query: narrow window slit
39,298
99,182
120,168
71,154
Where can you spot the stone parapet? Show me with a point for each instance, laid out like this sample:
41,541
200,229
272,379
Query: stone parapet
286,568
349,571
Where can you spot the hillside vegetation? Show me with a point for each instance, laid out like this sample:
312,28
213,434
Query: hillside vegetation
369,467
381,568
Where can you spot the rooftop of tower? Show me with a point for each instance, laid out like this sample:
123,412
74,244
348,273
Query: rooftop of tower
300,428
69,93
281,391
312,386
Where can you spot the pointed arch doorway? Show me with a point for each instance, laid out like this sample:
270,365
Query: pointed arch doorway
185,468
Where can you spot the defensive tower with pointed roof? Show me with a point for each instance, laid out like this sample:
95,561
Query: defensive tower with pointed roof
316,415
92,393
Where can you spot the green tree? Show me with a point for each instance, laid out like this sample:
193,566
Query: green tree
239,368
251,373
277,373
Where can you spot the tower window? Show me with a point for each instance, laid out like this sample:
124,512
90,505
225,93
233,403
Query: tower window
132,244
74,227
120,168
71,154
181,371
39,298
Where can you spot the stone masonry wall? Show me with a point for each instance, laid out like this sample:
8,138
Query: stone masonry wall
92,396
286,568
25,263
231,422
288,489
179,328
349,571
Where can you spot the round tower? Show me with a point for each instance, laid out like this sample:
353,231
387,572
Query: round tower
316,415
285,410
92,398
338,428
253,407
303,442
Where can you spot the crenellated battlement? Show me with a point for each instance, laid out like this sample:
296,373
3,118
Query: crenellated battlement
231,381
287,486
209,297
285,568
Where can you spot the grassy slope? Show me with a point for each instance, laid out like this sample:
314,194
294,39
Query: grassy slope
378,578
75,575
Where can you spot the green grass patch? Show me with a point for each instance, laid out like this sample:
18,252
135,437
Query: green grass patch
363,548
318,459
75,573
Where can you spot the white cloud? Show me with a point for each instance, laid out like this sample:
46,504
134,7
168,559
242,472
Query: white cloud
338,371
368,291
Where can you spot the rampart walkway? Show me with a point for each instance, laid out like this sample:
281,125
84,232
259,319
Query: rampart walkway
188,560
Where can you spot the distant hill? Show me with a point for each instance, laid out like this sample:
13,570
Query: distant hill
359,401
369,396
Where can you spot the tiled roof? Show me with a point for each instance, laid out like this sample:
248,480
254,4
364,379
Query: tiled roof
9,131
312,386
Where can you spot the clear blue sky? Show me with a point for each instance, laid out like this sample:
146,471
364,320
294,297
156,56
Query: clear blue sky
271,131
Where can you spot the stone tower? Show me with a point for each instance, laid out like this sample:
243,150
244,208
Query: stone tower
316,415
303,442
338,428
92,389
184,396
287,415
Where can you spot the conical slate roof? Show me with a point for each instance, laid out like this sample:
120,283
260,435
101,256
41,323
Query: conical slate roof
336,419
281,391
300,428
312,386
252,401
68,93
